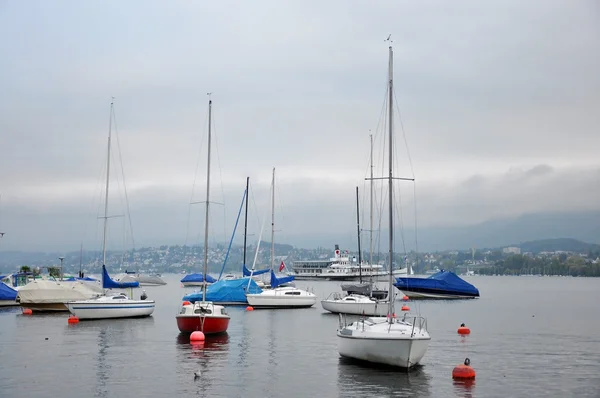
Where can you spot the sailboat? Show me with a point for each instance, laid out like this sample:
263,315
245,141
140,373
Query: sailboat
204,316
111,306
360,299
280,296
231,289
386,340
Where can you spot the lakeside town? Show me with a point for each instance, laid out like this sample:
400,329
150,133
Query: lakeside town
544,257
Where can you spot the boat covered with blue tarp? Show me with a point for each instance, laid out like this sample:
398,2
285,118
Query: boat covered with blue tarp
230,292
8,295
441,285
197,280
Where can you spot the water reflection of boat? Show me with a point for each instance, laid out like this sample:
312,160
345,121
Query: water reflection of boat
356,379
211,342
114,324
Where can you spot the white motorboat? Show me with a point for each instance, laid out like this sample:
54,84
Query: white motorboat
111,306
282,297
386,340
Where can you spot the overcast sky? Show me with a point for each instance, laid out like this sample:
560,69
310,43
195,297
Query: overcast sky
500,104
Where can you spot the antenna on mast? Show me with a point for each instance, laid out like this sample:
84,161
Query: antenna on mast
389,38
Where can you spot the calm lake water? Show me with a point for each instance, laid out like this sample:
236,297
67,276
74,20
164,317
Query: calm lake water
530,336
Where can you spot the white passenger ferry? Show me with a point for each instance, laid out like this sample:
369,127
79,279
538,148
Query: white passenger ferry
341,268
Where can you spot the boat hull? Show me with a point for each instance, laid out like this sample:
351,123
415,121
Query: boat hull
45,307
403,353
191,284
357,308
205,324
104,310
8,303
435,295
276,302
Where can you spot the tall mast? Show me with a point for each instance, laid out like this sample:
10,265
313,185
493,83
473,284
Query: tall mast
80,260
246,220
273,221
390,185
358,230
207,201
107,183
371,210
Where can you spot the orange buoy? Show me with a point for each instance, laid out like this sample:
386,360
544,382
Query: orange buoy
463,329
405,308
73,319
249,308
186,303
197,336
405,298
464,371
27,311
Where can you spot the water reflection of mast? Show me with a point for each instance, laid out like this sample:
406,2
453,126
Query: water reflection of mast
102,368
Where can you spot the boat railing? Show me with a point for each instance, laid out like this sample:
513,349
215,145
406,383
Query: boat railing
342,323
335,295
419,323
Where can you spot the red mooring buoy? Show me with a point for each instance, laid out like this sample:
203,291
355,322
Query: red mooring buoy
405,308
463,329
249,308
27,311
73,319
405,298
197,336
464,371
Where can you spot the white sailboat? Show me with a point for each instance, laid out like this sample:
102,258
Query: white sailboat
360,299
111,306
280,296
386,340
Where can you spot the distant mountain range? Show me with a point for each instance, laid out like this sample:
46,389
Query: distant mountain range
553,245
584,227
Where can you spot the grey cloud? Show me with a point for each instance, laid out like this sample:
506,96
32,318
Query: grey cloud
481,88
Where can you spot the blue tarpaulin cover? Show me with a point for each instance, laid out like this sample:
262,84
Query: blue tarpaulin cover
198,278
87,278
442,282
226,291
108,283
7,292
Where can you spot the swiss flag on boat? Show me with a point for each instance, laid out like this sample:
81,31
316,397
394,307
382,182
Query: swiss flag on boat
281,266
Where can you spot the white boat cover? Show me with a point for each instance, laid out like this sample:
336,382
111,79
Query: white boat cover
45,291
